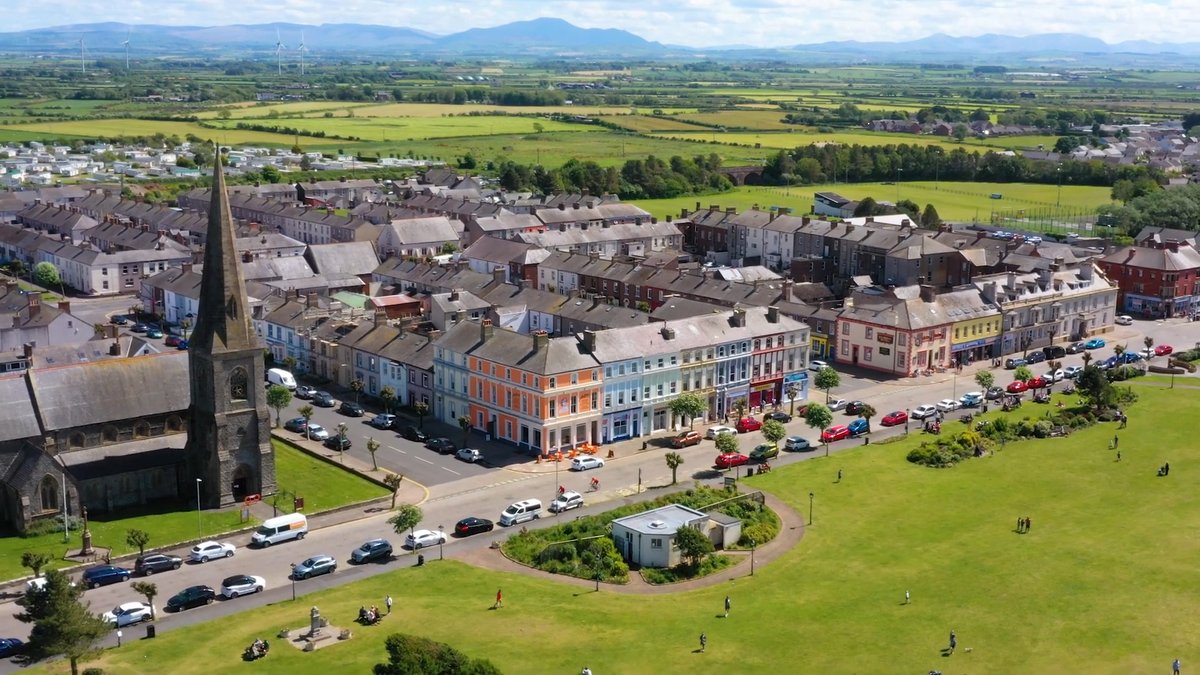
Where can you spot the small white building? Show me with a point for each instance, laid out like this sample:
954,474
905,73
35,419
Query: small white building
648,538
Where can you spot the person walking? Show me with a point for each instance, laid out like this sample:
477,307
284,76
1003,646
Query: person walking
1118,455
499,599
727,603
1028,523
703,642
907,597
839,475
388,603
1115,441
1175,667
953,641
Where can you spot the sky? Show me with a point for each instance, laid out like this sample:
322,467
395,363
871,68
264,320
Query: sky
695,23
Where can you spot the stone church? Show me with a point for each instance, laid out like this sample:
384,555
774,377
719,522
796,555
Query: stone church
107,431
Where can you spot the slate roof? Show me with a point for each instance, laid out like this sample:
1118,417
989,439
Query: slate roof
102,391
19,419
1166,260
424,230
121,458
496,250
516,350
353,258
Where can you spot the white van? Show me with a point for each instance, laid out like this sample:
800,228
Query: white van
283,528
526,509
281,377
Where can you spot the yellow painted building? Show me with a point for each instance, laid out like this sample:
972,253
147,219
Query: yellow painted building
973,336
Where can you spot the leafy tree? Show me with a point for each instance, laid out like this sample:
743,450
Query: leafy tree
693,545
867,207
930,218
819,417
290,362
388,396
413,655
373,447
727,443
792,391
148,591
1149,342
421,408
407,518
62,624
464,423
985,379
827,379
774,431
357,386
1023,373
278,397
35,561
960,132
867,412
688,406
45,274
1066,144
17,268
306,412
739,408
674,461
1095,389
393,481
135,538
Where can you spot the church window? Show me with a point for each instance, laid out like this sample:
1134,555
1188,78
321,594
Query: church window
77,440
49,493
109,434
238,384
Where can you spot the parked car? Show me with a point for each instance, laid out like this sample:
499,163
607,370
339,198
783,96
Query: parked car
119,319
172,341
316,432
422,538
838,404
922,411
747,424
127,613
156,562
1054,351
340,443
1035,357
566,501
796,444
383,421
1076,348
764,451
1163,350
730,460
971,399
854,407
10,646
778,416
192,596
414,434
894,418
586,462
351,409
1014,363
948,405
305,392
713,432
472,525
1094,343
211,550
323,399
685,438
375,549
441,445
1055,375
1147,353
1131,357
835,433
182,346
816,365
1111,362
242,584
1072,372
1016,387
316,565
994,394
470,455
296,424
1037,383
140,327
102,575
1123,320
154,333
859,427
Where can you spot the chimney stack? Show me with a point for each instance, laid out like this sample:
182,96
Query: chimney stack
64,306
485,330
541,340
773,314
310,301
928,293
739,318
380,317
27,349
589,341
186,267
498,275
34,303
454,295
668,333
786,295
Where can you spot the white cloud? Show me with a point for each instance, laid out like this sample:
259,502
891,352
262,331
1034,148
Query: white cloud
762,23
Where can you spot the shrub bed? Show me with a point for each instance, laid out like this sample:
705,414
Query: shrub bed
711,564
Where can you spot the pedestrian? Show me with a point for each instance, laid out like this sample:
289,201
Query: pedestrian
585,671
1175,667
839,475
1118,455
907,597
388,602
1115,441
499,599
953,641
703,641
727,603
1028,523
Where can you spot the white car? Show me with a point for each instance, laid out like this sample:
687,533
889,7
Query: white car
242,584
1124,320
128,613
922,411
1055,375
817,365
317,432
1072,372
838,403
423,538
566,501
713,432
211,550
586,462
1147,353
469,455
948,405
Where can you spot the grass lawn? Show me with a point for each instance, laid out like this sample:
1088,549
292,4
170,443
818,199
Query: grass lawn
322,486
413,128
1103,583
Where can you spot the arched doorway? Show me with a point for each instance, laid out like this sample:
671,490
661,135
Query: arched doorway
245,482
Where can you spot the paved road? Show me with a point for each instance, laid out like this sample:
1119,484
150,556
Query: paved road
98,310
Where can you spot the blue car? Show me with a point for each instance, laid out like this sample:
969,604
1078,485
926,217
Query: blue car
102,575
1131,357
1110,362
10,646
1094,343
859,426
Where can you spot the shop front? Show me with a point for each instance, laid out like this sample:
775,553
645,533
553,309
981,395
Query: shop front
966,353
620,425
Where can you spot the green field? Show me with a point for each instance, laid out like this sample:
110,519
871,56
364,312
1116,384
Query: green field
416,128
111,128
803,136
323,487
1103,583
954,201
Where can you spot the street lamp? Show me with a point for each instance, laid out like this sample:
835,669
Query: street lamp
753,545
441,541
810,504
293,582
898,172
1058,200
199,526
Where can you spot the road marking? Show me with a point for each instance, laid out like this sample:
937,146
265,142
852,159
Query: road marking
392,447
422,459
446,468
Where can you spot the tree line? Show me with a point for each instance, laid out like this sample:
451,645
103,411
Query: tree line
650,178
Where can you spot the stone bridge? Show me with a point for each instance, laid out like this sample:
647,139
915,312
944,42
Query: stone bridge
743,175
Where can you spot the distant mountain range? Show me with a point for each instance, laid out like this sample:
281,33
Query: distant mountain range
547,37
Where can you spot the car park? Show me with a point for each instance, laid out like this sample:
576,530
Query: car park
1163,350
211,550
316,565
305,392
383,421
11,646
472,525
1094,343
685,438
835,433
316,432
128,613
778,416
948,405
1014,363
323,399
441,445
971,399
156,562
102,575
728,460
796,444
340,443
421,538
1072,372
713,432
1016,387
351,409
1035,357
859,426
192,596
747,424
838,404
374,549
1123,320
242,584
470,455
922,411
296,424
894,418
816,365
764,451
586,462
566,501
1076,348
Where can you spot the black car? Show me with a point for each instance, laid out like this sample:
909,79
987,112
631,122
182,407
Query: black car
192,596
1076,348
442,445
778,416
1054,352
375,549
156,562
414,434
102,575
140,327
472,525
1035,357
119,320
339,443
351,409
854,407
305,392
10,646
323,399
994,394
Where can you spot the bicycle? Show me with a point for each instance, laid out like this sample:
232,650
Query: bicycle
594,485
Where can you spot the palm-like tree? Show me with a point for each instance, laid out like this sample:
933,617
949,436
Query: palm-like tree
739,407
1087,359
793,390
867,412
1149,342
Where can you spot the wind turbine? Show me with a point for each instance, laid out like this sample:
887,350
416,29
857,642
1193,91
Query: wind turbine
125,44
279,47
302,49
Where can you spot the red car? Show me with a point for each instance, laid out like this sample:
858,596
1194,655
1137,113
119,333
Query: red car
747,424
730,460
835,433
172,341
1038,382
892,419
1016,387
1163,350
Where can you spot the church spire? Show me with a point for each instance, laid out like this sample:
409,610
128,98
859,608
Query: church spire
223,322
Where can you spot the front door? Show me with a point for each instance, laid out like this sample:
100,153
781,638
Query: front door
854,354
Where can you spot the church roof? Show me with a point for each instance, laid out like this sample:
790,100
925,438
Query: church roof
81,394
19,419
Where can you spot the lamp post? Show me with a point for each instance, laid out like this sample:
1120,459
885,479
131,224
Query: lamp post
898,172
1058,199
441,541
199,526
753,545
293,576
810,505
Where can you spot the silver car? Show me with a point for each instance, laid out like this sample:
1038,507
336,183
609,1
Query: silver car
318,432
316,565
